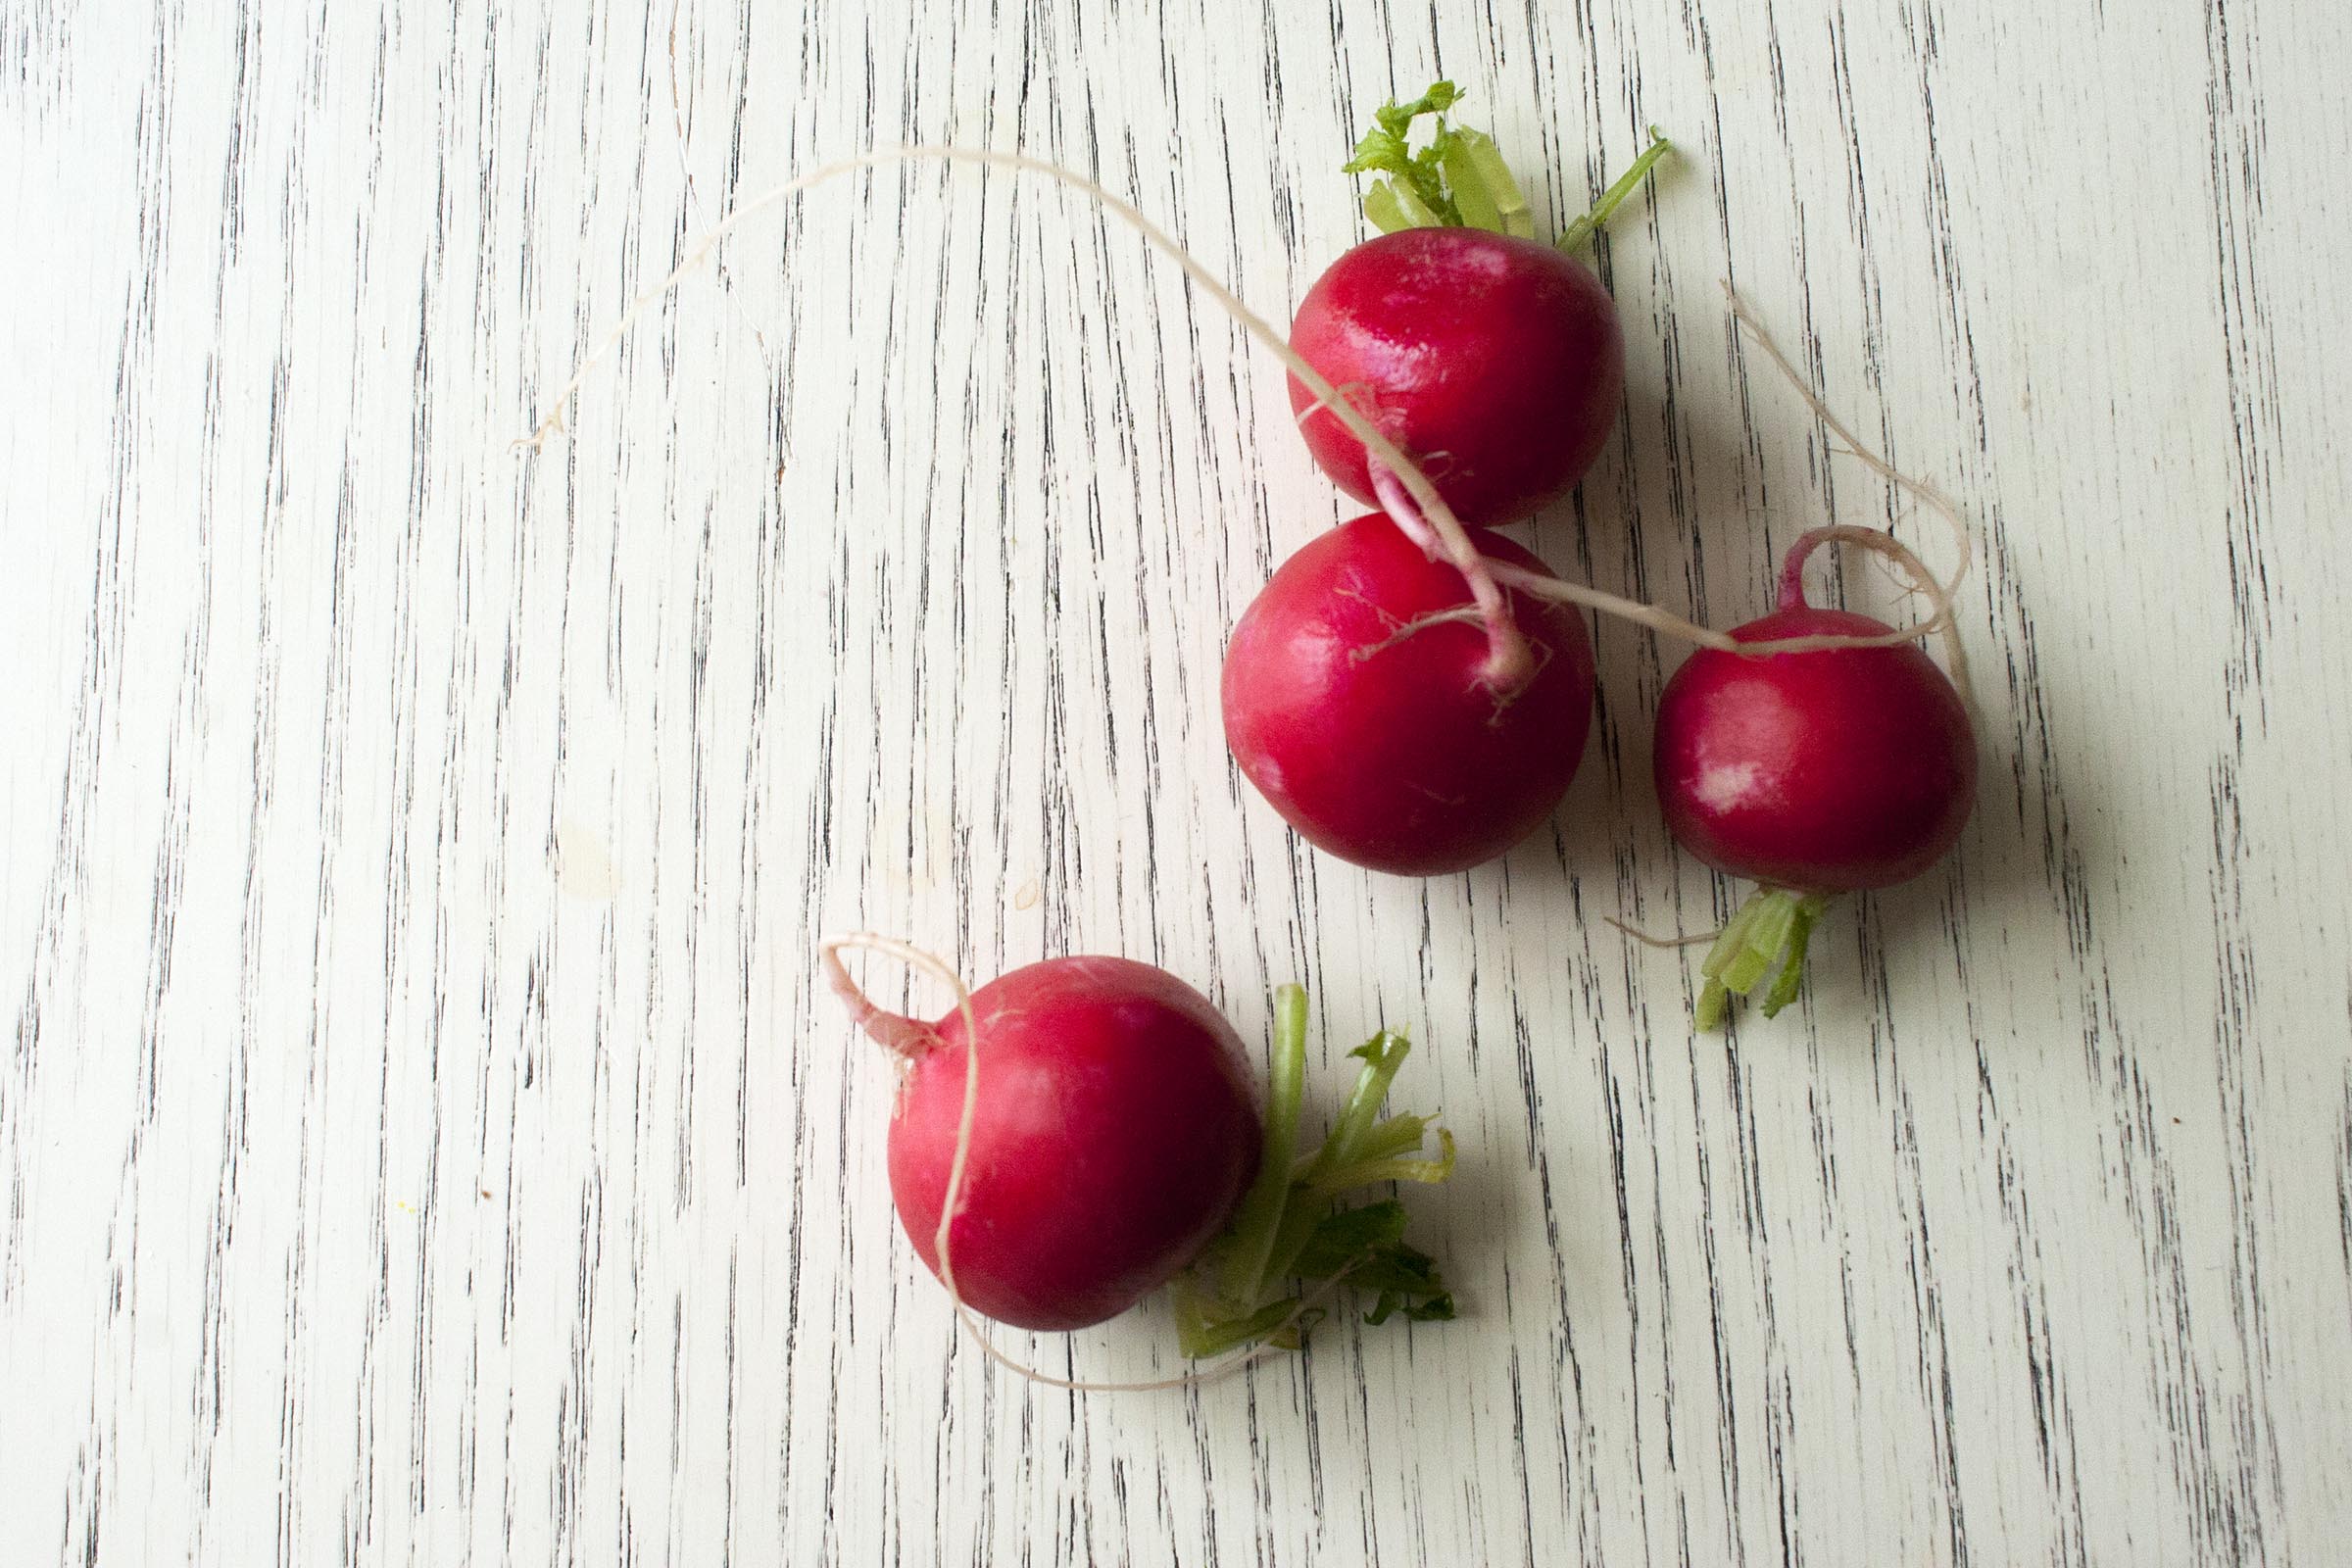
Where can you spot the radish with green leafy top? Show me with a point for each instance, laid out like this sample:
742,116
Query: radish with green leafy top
1105,1134
1495,361
1813,773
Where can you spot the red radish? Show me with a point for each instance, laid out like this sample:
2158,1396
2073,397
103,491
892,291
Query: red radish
1813,773
1114,1137
1492,360
1083,1131
1374,729
1495,362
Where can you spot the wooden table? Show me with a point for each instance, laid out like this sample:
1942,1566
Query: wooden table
425,1139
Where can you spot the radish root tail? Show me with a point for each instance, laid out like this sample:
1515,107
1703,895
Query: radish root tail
1648,940
1510,664
1881,543
904,1037
1941,595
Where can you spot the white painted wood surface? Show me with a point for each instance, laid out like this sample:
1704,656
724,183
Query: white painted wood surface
424,1141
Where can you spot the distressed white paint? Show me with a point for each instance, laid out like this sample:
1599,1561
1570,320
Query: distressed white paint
424,1140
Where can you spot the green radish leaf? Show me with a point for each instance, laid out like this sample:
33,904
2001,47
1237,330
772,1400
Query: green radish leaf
1767,936
1460,179
1291,1241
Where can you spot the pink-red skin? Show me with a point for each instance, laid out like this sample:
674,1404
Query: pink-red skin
1398,758
1817,772
1117,1128
1494,361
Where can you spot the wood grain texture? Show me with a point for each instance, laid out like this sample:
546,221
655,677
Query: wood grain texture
423,1138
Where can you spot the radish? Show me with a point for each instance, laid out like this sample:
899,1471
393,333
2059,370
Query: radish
1358,699
1118,1136
1493,360
1813,773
